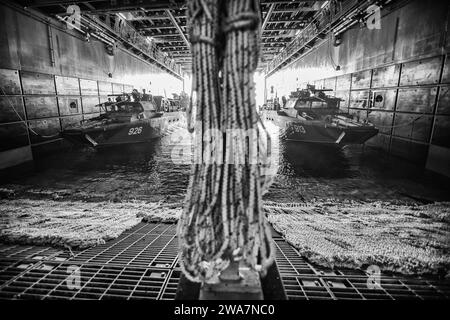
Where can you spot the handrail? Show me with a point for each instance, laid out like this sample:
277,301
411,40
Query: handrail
322,20
128,34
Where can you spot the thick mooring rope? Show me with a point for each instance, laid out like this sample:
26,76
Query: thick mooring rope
223,217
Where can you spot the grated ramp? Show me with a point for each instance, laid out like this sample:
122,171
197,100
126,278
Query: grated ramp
142,264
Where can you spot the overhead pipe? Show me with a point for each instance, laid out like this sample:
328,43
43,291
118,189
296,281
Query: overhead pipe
341,28
177,26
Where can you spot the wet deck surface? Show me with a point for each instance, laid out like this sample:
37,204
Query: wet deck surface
158,171
142,264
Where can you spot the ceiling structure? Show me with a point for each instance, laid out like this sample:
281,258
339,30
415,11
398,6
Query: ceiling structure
156,30
163,23
167,27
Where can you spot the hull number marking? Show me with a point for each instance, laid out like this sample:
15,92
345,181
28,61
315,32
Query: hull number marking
298,129
135,131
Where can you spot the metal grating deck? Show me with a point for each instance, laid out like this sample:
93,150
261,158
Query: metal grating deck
142,264
147,245
302,280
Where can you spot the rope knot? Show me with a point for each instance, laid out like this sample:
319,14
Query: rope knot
201,6
241,21
196,38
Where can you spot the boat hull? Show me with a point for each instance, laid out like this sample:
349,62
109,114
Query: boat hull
140,131
318,132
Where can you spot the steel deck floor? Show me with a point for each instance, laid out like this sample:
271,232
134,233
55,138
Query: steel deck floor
142,264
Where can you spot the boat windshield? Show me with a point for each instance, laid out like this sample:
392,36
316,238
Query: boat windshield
290,104
125,108
111,108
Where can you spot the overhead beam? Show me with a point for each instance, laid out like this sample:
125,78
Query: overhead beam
162,34
287,20
112,6
175,47
159,16
271,40
268,15
174,53
282,29
155,26
46,3
285,1
307,39
272,45
305,9
175,50
147,18
175,23
278,36
179,44
170,37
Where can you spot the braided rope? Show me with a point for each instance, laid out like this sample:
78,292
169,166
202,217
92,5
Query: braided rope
223,218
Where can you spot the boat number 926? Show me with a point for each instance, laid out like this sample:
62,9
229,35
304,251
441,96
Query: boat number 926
134,131
298,129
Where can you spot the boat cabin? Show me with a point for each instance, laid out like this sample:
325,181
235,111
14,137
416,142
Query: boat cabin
129,111
311,103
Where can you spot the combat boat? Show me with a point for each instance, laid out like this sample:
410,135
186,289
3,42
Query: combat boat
127,120
312,116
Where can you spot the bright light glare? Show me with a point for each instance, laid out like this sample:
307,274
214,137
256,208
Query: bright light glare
259,87
158,84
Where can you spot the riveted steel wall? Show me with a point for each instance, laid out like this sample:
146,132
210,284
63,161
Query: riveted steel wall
397,77
51,77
